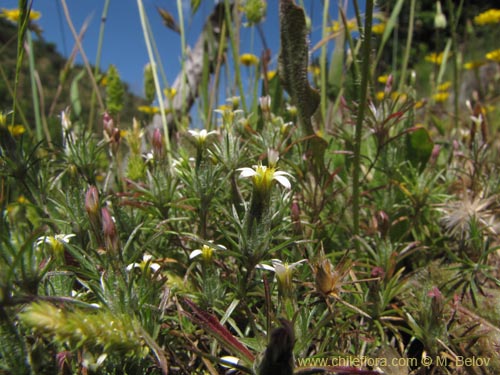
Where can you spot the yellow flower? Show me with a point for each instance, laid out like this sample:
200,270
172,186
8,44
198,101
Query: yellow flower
435,58
383,79
487,17
103,82
224,107
336,26
249,59
16,130
315,70
147,109
441,97
473,64
396,96
494,55
444,86
271,74
22,200
380,95
378,29
170,93
14,14
419,104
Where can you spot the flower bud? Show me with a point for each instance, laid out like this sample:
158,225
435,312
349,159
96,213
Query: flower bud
383,222
325,281
157,143
388,84
111,239
92,201
437,302
108,124
439,18
265,106
435,154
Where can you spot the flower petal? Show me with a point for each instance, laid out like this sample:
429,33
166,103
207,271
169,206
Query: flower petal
246,172
284,181
266,267
195,253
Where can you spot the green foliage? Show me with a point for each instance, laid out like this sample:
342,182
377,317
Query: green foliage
114,91
122,255
91,329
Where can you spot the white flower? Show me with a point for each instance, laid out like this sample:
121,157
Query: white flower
265,103
58,239
201,135
65,121
206,252
263,176
146,263
284,272
55,242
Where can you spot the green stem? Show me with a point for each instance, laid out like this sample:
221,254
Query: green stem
98,60
363,90
183,48
322,61
159,95
34,92
236,50
454,18
21,31
82,54
409,40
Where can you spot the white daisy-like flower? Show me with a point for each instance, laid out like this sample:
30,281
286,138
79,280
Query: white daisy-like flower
206,252
146,263
201,135
263,176
283,272
56,240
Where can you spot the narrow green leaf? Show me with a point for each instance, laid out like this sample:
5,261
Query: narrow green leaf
75,94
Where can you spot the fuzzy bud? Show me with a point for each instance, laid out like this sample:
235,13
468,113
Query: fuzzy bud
388,84
265,106
111,239
157,143
383,223
92,201
108,124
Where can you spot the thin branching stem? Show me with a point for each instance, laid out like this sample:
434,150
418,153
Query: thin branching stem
97,63
363,91
83,54
161,102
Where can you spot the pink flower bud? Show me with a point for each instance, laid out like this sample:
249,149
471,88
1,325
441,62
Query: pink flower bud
388,84
111,239
435,154
92,201
108,124
157,143
383,222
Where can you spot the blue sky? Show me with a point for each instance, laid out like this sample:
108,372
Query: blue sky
123,39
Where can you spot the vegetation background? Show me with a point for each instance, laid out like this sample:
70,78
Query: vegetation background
340,206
